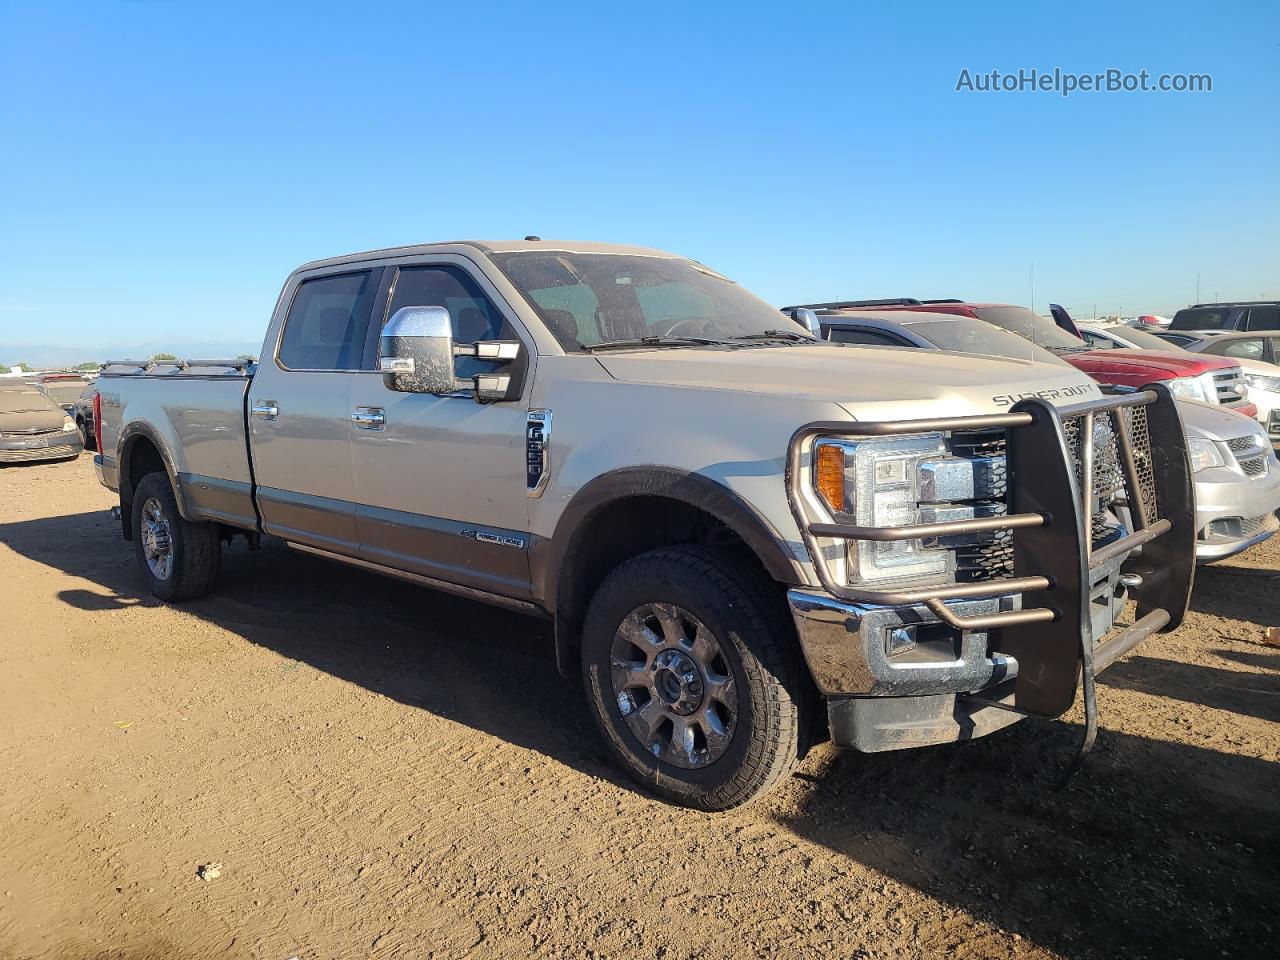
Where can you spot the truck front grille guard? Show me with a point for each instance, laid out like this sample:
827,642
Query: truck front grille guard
1052,467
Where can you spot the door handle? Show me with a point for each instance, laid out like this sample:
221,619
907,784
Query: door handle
369,418
266,409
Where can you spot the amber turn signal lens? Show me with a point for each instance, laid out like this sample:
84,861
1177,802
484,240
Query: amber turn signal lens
830,474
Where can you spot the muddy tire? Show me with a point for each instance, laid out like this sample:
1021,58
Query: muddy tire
693,676
178,558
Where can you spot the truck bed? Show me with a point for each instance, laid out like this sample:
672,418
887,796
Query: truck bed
195,412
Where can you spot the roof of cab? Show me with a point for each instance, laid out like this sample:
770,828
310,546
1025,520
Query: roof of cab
487,246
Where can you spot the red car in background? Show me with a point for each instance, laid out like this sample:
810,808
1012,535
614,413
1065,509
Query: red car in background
1191,376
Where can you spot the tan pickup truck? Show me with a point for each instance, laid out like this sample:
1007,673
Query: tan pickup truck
747,539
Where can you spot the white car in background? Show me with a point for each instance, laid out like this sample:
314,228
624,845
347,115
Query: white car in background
1262,379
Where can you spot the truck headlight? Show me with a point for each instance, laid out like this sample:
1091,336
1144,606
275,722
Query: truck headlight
1203,454
876,483
1200,388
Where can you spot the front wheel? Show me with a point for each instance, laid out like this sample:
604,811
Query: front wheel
180,559
693,677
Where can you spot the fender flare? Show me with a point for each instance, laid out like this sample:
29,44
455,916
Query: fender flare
557,595
129,437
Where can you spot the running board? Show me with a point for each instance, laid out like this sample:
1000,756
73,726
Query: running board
457,589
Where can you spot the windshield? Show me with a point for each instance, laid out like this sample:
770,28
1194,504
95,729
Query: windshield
1042,332
586,299
23,399
964,335
1139,338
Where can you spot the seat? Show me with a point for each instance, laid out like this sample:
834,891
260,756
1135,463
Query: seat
473,325
564,325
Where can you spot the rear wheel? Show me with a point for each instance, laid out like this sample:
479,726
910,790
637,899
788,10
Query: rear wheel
693,677
179,559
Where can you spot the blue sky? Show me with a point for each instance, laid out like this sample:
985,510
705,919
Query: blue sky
165,164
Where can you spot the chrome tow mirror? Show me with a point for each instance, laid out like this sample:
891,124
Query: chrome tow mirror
416,354
809,320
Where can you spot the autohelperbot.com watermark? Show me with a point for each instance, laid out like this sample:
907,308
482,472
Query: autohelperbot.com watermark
1065,83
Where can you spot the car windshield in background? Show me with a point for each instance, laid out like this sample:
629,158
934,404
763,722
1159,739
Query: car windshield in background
23,398
1037,329
1202,319
587,299
1143,340
976,336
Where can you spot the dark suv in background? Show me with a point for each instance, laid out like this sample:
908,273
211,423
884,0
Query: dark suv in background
1236,315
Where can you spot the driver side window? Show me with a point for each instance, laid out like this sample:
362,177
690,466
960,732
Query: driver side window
472,314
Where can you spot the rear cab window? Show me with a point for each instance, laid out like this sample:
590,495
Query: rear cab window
325,328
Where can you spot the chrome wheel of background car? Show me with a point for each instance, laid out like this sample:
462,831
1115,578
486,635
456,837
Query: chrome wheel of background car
673,686
157,545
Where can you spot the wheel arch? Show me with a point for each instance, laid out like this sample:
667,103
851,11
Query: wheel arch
626,512
142,451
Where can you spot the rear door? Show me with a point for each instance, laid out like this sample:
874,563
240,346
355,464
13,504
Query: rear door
441,481
300,411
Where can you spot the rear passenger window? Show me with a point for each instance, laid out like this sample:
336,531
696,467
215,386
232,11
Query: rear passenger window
327,322
1263,318
473,314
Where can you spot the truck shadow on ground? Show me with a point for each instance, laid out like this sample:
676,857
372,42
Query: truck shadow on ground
1157,849
1246,594
1246,693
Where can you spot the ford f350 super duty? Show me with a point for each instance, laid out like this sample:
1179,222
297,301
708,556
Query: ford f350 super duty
738,531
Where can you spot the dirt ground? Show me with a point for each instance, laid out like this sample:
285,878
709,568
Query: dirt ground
383,771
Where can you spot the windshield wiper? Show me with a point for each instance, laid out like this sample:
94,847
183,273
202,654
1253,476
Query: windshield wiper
789,335
657,342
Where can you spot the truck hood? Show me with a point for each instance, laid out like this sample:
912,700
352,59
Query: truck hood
27,410
1153,365
869,382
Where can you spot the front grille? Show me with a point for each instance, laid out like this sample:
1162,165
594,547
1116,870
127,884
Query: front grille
1254,466
992,555
38,432
1241,443
1230,386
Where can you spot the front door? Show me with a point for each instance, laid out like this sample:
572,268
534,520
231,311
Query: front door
440,481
